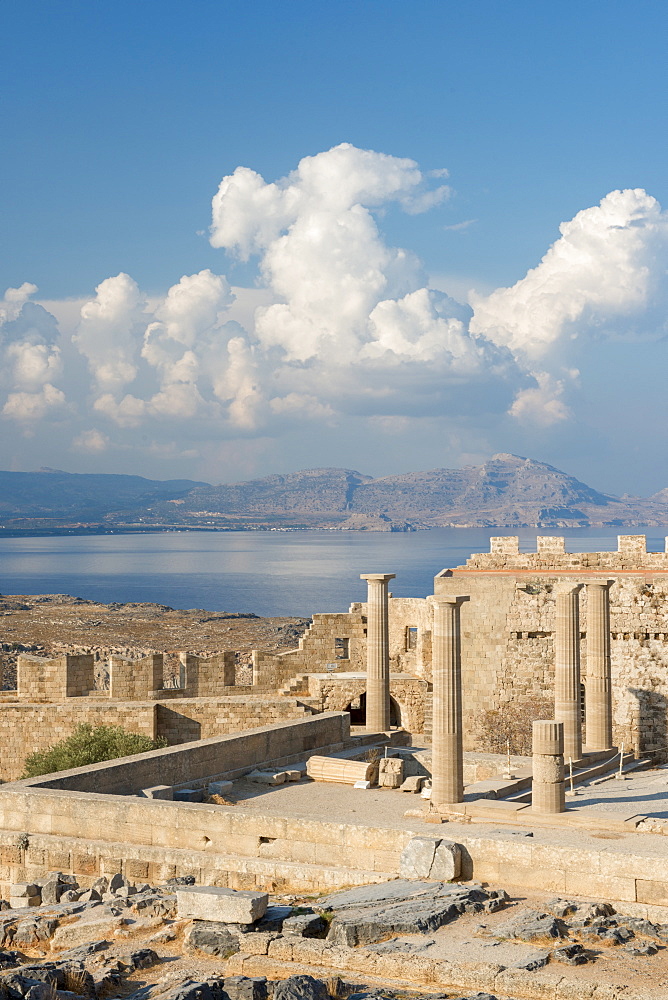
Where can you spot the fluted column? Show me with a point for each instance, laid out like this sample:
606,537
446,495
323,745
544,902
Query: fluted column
567,669
547,782
598,684
447,759
377,653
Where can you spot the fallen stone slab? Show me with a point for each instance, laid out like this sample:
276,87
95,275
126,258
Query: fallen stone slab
158,792
413,783
273,919
245,987
267,777
309,925
231,906
421,915
372,895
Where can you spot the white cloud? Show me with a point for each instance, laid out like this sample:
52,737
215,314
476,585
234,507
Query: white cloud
109,330
92,441
541,405
608,267
29,358
340,326
30,407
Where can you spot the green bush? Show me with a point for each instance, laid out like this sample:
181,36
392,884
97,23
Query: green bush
88,745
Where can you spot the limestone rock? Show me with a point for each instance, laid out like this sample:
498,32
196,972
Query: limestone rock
309,925
212,938
300,988
533,926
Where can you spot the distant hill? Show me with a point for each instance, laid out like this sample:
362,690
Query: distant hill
506,492
51,493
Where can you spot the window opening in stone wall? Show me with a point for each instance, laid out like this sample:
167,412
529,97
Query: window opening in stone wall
411,637
342,649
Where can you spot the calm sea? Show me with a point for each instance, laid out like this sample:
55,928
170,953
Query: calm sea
266,572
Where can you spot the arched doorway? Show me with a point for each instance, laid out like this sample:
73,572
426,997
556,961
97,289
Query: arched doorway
357,709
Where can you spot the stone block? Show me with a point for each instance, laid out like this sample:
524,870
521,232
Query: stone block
188,794
267,777
219,787
24,889
158,792
413,783
19,902
431,857
215,903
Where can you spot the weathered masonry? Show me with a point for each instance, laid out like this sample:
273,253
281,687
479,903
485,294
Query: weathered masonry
508,650
613,610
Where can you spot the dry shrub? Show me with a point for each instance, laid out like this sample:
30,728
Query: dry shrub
219,800
512,724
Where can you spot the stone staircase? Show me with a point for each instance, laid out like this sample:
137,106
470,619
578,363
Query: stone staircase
296,687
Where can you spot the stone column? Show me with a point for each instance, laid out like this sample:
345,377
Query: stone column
377,653
547,785
567,669
447,744
598,685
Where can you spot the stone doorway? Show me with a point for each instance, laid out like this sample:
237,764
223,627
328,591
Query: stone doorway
357,709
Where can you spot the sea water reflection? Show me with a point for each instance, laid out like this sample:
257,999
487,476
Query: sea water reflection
266,572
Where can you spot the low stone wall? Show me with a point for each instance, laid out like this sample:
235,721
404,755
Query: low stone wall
181,765
184,719
222,845
25,728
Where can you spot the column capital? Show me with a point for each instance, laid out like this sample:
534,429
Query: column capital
378,577
566,588
442,602
598,583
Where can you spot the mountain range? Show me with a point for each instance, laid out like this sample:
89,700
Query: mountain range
506,491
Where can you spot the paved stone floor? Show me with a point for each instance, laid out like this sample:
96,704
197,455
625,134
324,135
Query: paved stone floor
644,792
377,807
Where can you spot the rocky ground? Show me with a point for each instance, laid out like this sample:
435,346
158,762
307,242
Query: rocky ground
56,623
115,939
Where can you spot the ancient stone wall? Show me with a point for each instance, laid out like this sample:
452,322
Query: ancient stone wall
26,728
508,629
134,679
317,647
336,692
184,719
71,675
188,764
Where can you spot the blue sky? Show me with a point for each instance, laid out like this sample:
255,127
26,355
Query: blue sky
119,121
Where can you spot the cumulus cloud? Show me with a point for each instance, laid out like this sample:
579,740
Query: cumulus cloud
341,324
92,441
607,268
108,332
542,404
30,358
